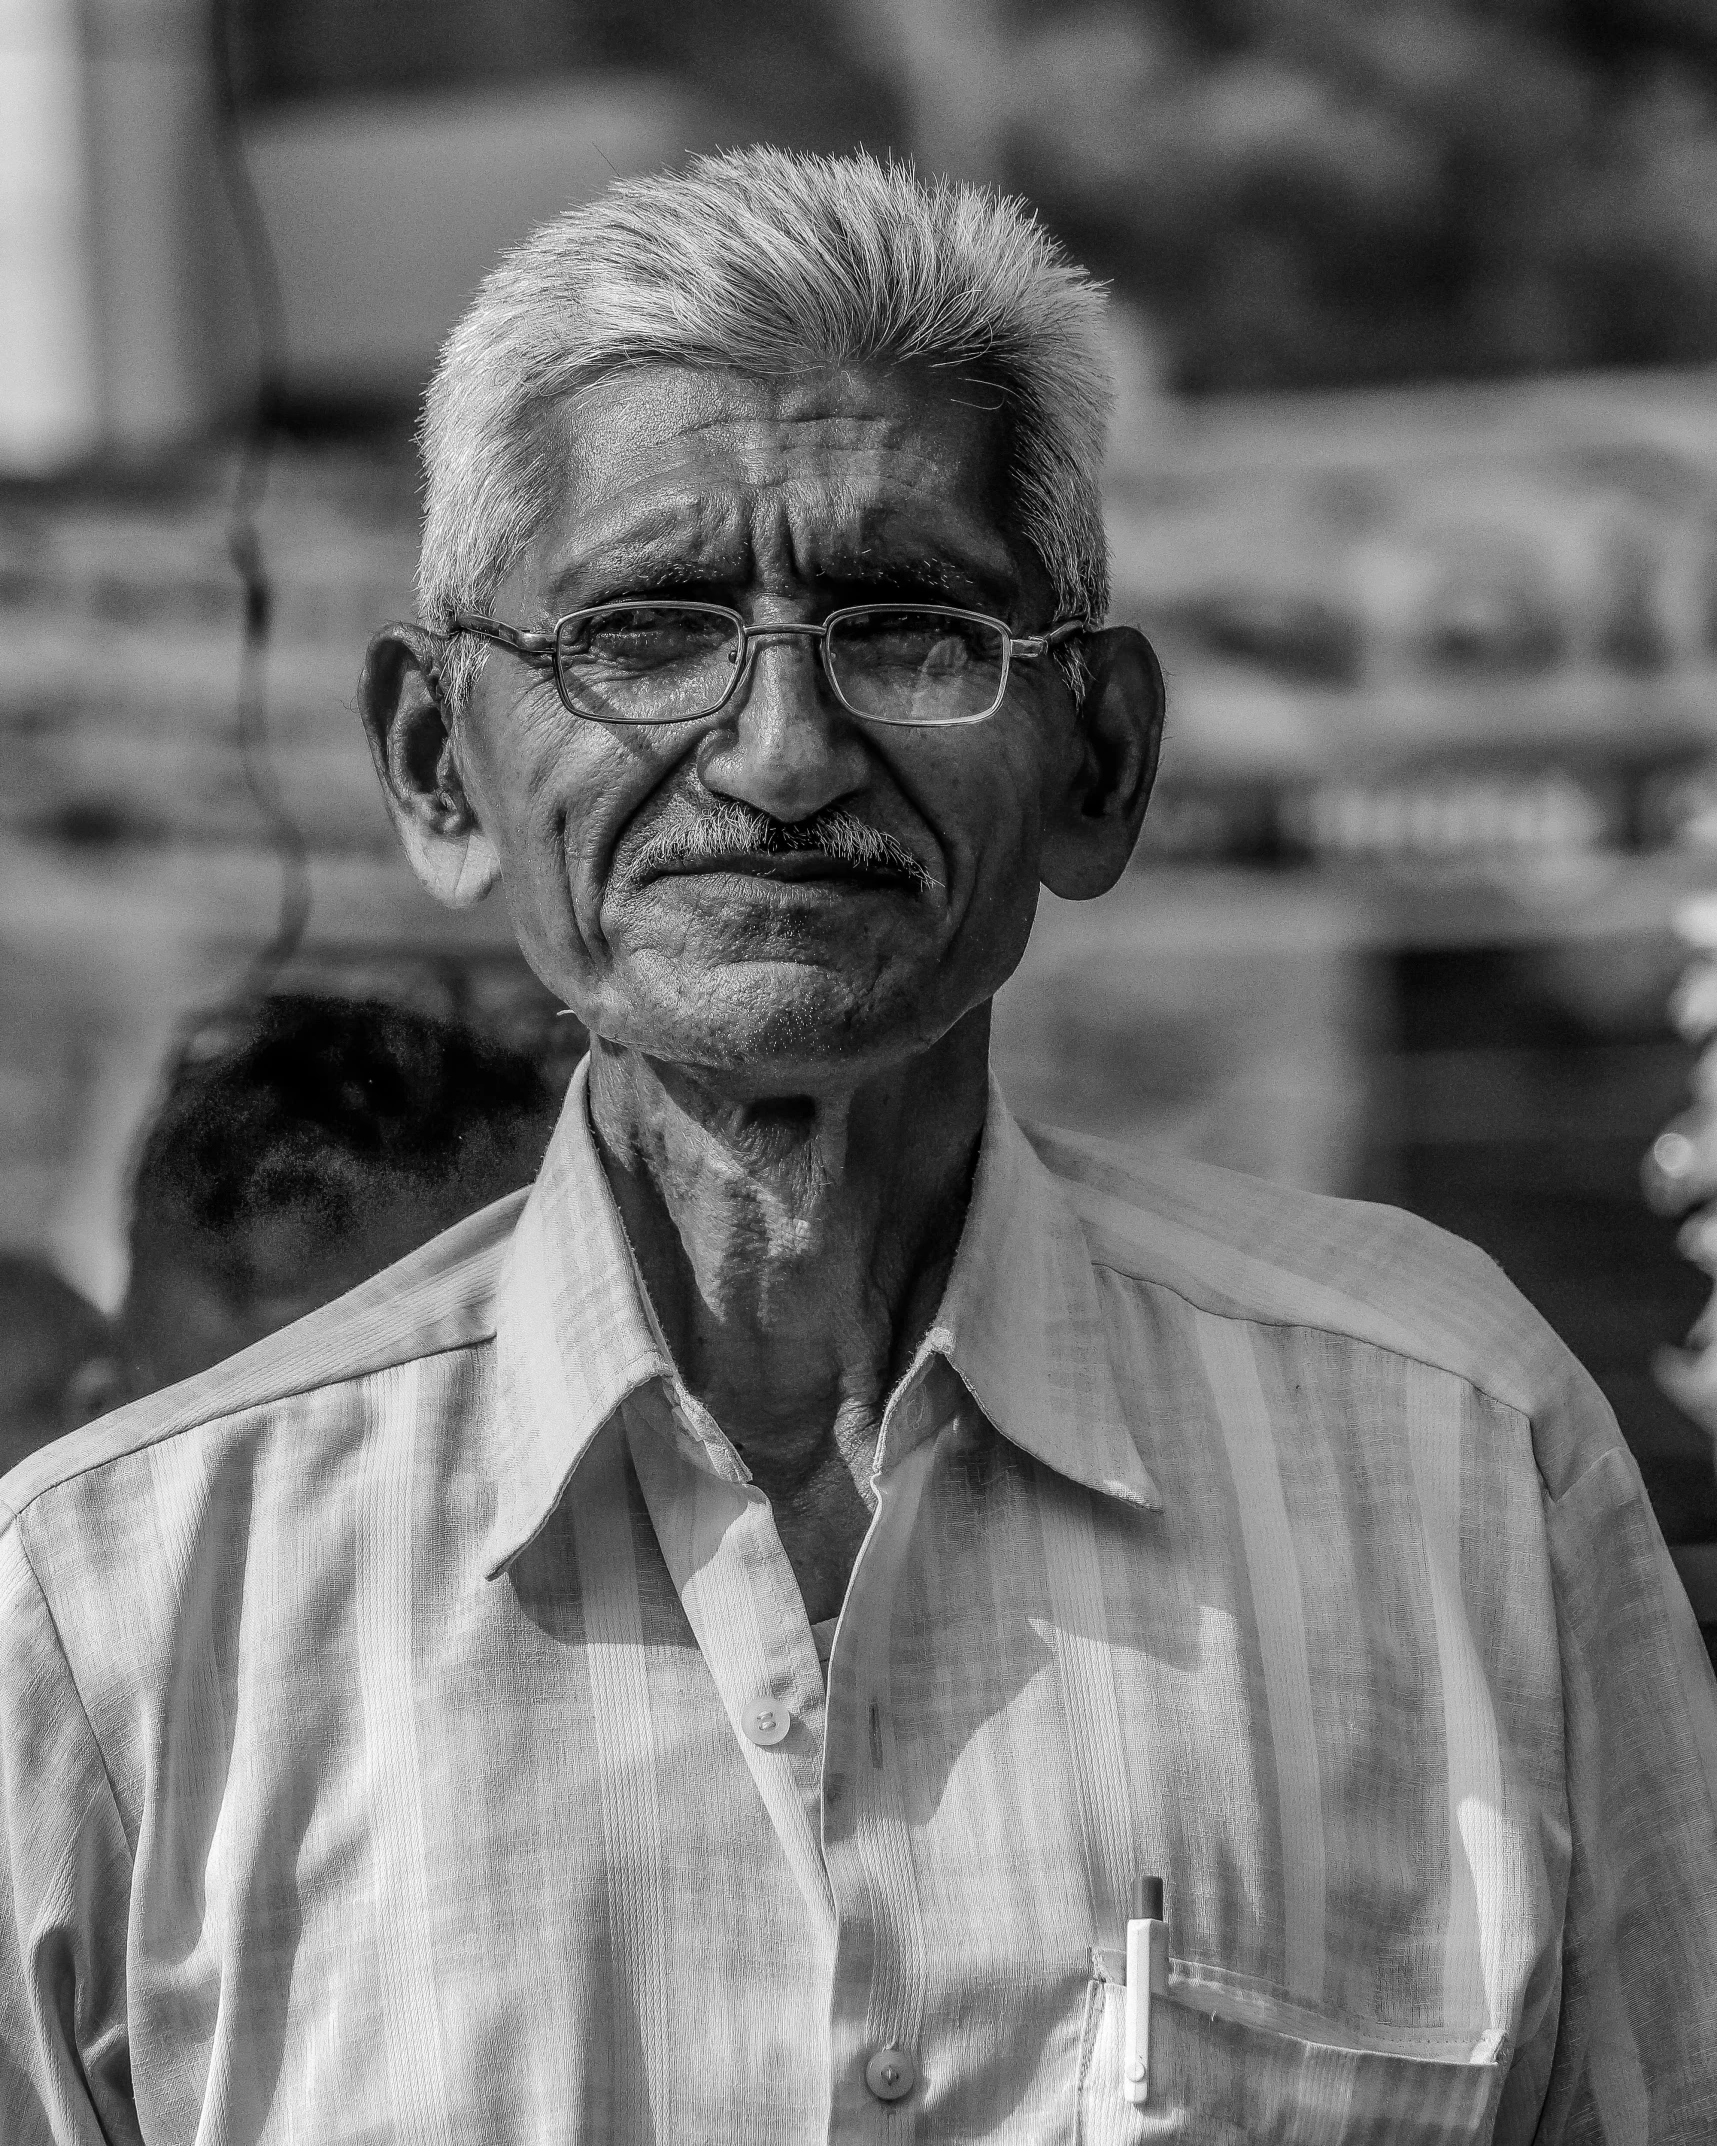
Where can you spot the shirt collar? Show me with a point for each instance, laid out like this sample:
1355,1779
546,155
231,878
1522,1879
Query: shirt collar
573,1336
1021,1322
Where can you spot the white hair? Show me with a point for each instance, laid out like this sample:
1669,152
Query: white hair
766,263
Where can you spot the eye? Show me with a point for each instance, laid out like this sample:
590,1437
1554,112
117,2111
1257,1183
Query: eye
914,665
643,637
920,641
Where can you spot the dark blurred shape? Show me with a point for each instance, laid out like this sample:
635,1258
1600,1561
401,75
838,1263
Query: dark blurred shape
301,1145
1490,614
96,824
56,1357
1341,192
783,68
1292,634
1524,1082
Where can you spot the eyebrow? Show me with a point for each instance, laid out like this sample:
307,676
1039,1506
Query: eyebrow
927,577
614,576
927,573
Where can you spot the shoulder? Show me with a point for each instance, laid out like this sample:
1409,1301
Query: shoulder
438,1299
1240,1248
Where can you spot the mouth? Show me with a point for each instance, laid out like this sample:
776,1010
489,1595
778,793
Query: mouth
798,866
833,848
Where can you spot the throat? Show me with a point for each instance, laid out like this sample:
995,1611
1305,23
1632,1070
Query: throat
795,1249
822,1528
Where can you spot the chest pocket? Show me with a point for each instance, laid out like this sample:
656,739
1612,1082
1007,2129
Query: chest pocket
1233,2065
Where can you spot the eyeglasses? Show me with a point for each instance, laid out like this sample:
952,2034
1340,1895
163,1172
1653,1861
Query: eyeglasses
674,663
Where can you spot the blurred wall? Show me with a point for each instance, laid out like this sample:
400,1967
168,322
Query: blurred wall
385,214
127,327
50,387
193,190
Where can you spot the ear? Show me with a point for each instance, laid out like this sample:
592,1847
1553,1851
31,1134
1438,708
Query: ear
411,742
1091,832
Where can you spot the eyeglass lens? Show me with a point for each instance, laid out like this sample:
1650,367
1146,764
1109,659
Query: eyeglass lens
666,663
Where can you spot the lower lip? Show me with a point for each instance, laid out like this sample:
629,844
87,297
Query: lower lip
802,881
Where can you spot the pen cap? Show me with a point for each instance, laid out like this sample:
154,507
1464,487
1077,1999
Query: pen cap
1145,1903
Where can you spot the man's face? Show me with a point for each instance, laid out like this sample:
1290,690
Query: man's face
782,500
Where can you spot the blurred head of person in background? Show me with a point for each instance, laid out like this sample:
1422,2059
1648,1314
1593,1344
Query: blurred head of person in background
57,1367
301,1145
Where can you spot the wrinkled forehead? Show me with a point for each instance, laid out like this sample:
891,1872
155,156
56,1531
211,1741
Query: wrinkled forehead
669,476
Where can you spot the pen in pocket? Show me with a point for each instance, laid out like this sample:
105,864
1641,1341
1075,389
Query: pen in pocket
1147,1970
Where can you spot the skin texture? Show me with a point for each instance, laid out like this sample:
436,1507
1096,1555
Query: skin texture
788,1058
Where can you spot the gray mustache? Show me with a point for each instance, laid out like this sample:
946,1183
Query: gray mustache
734,830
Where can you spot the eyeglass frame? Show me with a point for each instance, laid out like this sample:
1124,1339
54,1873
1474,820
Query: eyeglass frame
538,650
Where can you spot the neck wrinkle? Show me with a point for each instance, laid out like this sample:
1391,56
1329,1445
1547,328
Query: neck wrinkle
794,1249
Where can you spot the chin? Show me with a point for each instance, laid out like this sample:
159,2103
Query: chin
769,1026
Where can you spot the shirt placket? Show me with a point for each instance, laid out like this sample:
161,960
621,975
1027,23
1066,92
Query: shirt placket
719,1542
822,1757
881,1994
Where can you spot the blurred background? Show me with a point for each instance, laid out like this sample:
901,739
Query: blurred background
1414,481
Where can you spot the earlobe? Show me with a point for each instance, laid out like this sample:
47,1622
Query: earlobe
457,875
1094,827
411,742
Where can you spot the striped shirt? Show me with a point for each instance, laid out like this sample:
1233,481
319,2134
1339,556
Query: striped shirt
411,1730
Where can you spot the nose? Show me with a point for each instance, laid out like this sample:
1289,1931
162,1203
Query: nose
783,743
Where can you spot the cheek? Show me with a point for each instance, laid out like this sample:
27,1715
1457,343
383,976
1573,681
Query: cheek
541,872
991,825
554,801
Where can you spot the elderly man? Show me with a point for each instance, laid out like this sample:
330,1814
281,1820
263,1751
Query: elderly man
716,1649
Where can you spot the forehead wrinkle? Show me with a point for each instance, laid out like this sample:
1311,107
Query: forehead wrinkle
760,508
786,543
686,538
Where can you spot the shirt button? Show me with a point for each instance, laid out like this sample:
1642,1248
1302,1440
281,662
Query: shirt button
766,1721
890,2074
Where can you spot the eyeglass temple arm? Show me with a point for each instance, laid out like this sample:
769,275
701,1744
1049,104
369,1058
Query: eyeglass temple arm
1039,644
536,648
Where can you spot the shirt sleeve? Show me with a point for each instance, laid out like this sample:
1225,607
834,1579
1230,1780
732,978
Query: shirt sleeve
1635,2060
65,1882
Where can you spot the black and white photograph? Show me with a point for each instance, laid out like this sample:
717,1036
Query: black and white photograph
858,1072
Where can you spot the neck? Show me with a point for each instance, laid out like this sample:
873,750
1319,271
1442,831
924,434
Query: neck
795,1246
